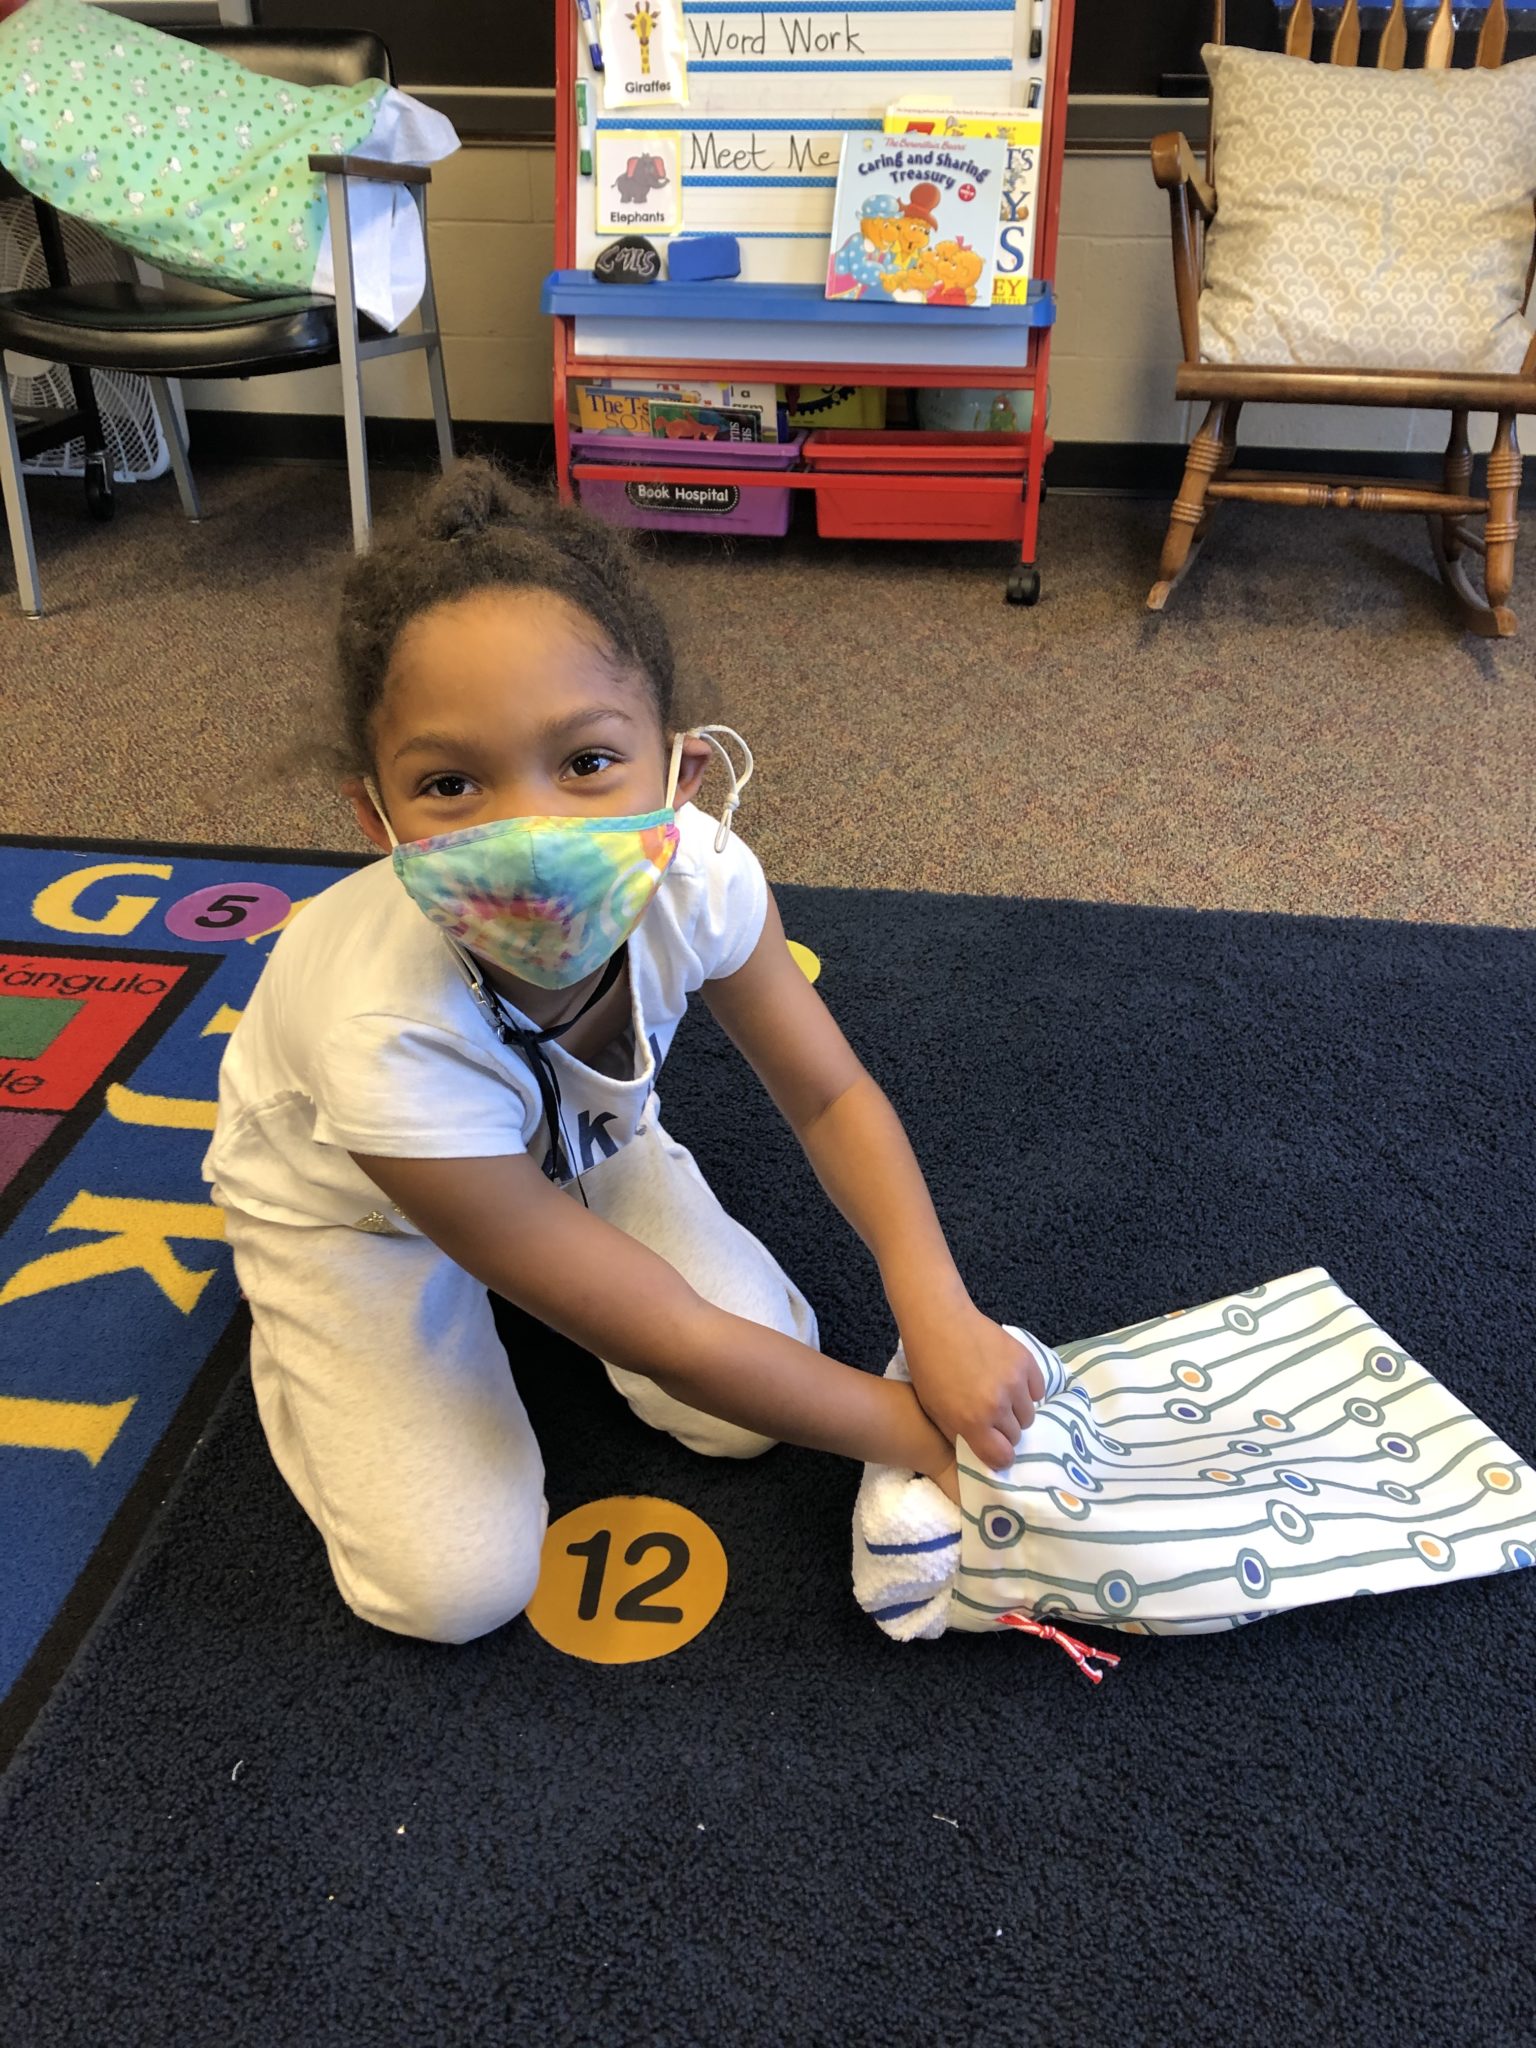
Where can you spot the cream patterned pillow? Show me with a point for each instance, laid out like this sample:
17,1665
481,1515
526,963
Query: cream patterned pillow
1375,220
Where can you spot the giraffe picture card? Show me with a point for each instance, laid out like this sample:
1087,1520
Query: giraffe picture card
645,54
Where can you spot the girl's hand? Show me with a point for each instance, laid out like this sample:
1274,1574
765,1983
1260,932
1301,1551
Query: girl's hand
975,1381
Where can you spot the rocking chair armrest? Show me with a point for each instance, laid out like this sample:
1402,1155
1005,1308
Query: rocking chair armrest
1191,207
1173,166
372,168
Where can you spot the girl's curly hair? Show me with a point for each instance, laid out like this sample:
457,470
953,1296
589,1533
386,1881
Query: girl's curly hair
476,529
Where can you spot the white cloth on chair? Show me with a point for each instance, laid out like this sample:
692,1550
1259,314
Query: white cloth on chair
389,263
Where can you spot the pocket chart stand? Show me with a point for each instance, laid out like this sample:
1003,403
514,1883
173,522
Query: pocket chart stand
773,87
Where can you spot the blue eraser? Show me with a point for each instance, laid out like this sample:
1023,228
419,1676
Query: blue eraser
691,258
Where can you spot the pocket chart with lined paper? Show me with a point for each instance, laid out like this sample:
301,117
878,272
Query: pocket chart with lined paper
773,88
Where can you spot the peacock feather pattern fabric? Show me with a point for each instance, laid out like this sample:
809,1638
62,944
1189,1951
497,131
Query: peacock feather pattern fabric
1200,1471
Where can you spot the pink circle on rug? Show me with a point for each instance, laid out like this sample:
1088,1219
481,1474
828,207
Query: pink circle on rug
229,910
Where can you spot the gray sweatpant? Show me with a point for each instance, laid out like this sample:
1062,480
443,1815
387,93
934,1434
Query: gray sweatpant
392,1412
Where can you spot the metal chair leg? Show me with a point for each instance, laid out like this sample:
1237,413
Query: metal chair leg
436,375
443,418
351,363
93,433
170,427
17,517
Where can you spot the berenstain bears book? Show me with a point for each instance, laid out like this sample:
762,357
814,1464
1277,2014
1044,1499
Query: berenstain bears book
916,222
1021,131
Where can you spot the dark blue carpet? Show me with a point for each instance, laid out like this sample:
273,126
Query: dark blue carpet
246,1817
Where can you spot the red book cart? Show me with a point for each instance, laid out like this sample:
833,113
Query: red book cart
773,327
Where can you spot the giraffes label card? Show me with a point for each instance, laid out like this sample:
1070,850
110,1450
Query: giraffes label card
645,54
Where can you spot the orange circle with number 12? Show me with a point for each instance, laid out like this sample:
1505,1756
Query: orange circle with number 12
627,1579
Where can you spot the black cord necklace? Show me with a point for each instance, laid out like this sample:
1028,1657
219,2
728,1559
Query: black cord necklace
531,1044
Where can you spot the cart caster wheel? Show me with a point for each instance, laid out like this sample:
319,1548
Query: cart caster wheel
1024,585
98,488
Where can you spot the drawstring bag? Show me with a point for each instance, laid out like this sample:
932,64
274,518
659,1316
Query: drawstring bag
1200,1471
200,166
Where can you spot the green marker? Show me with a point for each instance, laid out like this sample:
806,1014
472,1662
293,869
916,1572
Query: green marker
583,129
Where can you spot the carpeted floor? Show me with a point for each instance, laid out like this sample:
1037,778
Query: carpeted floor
248,1818
1306,730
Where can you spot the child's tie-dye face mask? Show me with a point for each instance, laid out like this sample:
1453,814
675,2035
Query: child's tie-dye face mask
550,899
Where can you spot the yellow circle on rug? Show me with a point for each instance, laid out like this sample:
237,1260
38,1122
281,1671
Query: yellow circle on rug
804,959
627,1579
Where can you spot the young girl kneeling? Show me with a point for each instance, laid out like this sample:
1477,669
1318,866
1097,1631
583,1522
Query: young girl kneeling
445,1084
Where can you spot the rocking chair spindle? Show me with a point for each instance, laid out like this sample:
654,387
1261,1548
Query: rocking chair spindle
1346,37
1490,43
1392,51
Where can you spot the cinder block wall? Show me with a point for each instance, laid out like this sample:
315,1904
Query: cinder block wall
491,215
1113,359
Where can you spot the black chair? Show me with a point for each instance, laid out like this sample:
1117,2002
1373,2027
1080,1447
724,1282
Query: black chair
174,331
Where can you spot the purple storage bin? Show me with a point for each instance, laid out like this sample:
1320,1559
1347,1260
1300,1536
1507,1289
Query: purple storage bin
717,508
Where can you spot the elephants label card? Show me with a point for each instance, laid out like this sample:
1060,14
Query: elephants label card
639,182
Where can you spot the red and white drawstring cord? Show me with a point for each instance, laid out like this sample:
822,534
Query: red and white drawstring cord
1082,1654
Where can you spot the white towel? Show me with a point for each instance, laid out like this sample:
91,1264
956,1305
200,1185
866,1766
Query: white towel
906,1530
906,1549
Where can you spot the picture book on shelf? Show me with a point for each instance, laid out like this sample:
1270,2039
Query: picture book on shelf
1021,132
698,410
704,423
917,220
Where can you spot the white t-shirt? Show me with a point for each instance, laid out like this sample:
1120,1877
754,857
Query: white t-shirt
362,1036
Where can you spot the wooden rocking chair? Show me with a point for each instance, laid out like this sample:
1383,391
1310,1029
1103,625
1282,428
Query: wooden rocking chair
1209,477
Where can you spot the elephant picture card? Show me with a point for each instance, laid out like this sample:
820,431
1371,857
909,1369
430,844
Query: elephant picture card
639,182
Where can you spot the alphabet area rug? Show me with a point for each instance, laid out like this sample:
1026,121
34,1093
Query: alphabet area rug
123,969
695,1785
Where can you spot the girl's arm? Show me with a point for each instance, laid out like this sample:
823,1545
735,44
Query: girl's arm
502,1221
972,1378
